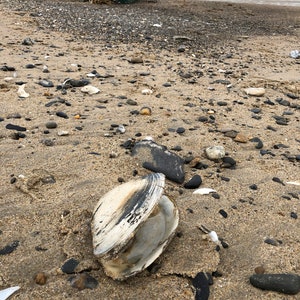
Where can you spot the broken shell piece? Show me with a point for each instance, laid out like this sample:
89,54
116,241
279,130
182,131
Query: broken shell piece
204,191
89,89
21,91
255,91
132,225
147,92
6,293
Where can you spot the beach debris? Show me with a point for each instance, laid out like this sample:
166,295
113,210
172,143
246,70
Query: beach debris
158,158
6,293
204,191
294,182
258,92
145,111
132,224
121,129
283,283
212,234
295,54
215,152
89,89
21,91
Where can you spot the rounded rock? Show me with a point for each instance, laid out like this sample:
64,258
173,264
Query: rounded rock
215,152
51,125
194,182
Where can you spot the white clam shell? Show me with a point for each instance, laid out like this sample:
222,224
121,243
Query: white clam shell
132,224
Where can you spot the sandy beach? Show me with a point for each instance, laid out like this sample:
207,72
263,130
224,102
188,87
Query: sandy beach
61,150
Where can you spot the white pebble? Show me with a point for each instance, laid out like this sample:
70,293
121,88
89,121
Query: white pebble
215,152
214,237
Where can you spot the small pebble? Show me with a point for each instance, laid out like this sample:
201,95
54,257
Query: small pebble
294,215
253,187
259,270
46,83
9,248
228,162
136,60
278,180
194,182
83,281
69,266
180,130
62,114
215,152
51,125
15,127
223,213
40,278
201,284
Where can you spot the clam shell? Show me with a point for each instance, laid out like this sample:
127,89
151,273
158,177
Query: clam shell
132,224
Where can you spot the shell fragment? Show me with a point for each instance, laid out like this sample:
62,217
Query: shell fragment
132,224
204,191
21,92
6,293
89,89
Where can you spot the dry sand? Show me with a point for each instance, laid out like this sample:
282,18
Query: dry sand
51,221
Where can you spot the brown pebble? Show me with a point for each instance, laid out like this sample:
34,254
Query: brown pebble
136,60
259,270
145,111
241,138
40,278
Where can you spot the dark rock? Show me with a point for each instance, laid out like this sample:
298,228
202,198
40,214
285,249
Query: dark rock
157,158
294,215
281,120
203,119
194,182
69,266
283,283
222,103
30,66
201,284
222,81
46,83
14,116
7,69
167,84
181,48
180,130
48,142
228,162
51,125
18,135
62,114
283,102
15,127
269,102
253,187
278,180
292,96
27,42
259,143
177,148
83,281
215,195
223,213
9,248
264,152
271,242
76,83
231,133
136,60
255,110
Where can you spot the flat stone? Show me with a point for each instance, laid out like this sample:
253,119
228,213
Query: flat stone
51,125
69,266
241,138
258,92
15,127
158,158
283,283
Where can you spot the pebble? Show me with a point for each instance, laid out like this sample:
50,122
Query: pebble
253,187
258,141
15,127
83,281
27,42
76,83
89,89
241,138
180,130
294,215
215,152
283,283
278,180
258,92
69,266
157,158
63,133
194,182
62,114
9,248
14,116
272,242
46,83
51,125
228,162
136,60
181,48
259,270
145,111
223,213
40,278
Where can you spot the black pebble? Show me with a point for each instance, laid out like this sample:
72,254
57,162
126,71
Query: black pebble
253,187
69,266
30,66
167,84
259,143
180,130
46,83
223,213
228,162
201,284
8,69
271,242
62,114
283,283
15,127
13,180
194,182
276,179
294,215
9,248
215,195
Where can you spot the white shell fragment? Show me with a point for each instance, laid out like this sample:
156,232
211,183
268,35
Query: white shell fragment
132,224
258,92
204,191
21,91
294,182
89,89
214,237
147,92
5,294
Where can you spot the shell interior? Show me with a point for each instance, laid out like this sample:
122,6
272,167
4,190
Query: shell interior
120,211
148,243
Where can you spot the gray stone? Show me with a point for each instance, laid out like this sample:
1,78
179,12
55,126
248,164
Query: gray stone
158,158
